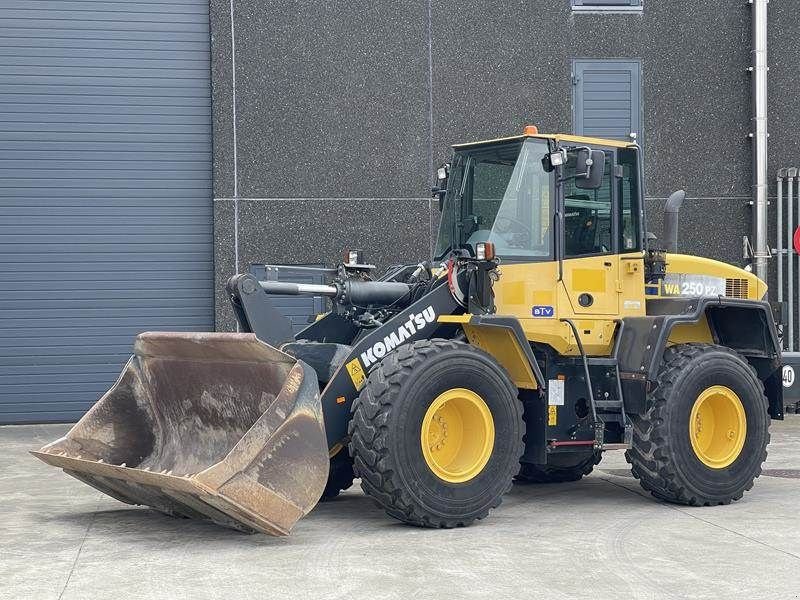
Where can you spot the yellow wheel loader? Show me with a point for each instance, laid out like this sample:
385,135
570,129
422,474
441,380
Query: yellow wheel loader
548,328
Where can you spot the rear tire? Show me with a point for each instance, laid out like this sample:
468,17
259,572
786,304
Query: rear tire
340,475
560,468
393,441
667,457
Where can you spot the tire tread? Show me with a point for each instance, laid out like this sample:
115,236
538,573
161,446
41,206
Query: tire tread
649,461
368,431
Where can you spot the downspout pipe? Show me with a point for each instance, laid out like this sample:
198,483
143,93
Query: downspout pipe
779,233
760,135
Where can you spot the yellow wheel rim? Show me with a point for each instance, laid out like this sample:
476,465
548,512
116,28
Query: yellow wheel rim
457,435
717,427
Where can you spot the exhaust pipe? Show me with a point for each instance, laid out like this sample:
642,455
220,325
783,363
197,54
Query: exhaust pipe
671,209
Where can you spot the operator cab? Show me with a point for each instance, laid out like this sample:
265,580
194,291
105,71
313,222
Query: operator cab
518,192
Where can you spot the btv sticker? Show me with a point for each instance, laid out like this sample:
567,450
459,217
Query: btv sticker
547,312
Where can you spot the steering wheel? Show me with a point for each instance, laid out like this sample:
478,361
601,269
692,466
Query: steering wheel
505,225
516,233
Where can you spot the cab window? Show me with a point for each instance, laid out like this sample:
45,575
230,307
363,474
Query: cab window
630,236
500,194
587,214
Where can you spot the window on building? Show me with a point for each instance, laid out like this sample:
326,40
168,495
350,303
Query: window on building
606,5
607,98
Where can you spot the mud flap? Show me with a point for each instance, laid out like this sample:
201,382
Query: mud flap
216,426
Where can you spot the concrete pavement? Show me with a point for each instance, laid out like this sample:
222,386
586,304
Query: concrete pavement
600,538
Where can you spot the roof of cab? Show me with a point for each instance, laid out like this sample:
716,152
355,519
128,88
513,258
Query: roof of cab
558,137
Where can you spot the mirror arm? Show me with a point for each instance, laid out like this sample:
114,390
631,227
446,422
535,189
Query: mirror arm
439,194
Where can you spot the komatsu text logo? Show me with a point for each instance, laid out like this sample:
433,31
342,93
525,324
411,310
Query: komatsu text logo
416,322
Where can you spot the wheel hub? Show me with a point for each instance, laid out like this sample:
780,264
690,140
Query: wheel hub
717,427
457,435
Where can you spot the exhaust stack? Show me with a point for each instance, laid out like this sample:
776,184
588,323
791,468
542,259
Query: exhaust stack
671,209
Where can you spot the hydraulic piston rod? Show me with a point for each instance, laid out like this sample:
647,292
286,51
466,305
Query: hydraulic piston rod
284,288
355,292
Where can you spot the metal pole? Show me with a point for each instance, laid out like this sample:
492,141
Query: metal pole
779,236
791,174
791,252
760,175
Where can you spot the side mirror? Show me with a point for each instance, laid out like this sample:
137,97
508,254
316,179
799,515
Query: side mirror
589,169
439,190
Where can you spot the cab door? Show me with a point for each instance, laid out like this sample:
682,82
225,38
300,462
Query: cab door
590,284
591,264
630,238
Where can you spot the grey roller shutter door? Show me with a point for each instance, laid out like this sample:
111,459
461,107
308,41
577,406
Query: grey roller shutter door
607,98
106,218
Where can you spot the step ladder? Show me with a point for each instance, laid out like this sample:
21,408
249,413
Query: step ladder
605,410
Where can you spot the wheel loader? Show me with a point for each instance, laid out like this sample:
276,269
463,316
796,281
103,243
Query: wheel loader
548,327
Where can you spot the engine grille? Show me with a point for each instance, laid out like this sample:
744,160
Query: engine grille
737,288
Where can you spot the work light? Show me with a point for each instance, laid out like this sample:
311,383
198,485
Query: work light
557,158
484,250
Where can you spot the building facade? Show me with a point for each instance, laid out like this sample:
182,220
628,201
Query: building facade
344,109
150,151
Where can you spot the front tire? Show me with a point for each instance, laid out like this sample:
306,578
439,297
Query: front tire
704,436
436,434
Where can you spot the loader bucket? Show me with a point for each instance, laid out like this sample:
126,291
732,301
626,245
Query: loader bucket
216,426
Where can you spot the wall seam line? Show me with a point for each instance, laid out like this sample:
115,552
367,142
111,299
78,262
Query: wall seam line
430,121
423,198
235,149
302,198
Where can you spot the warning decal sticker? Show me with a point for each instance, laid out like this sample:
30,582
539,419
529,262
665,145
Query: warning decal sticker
357,374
